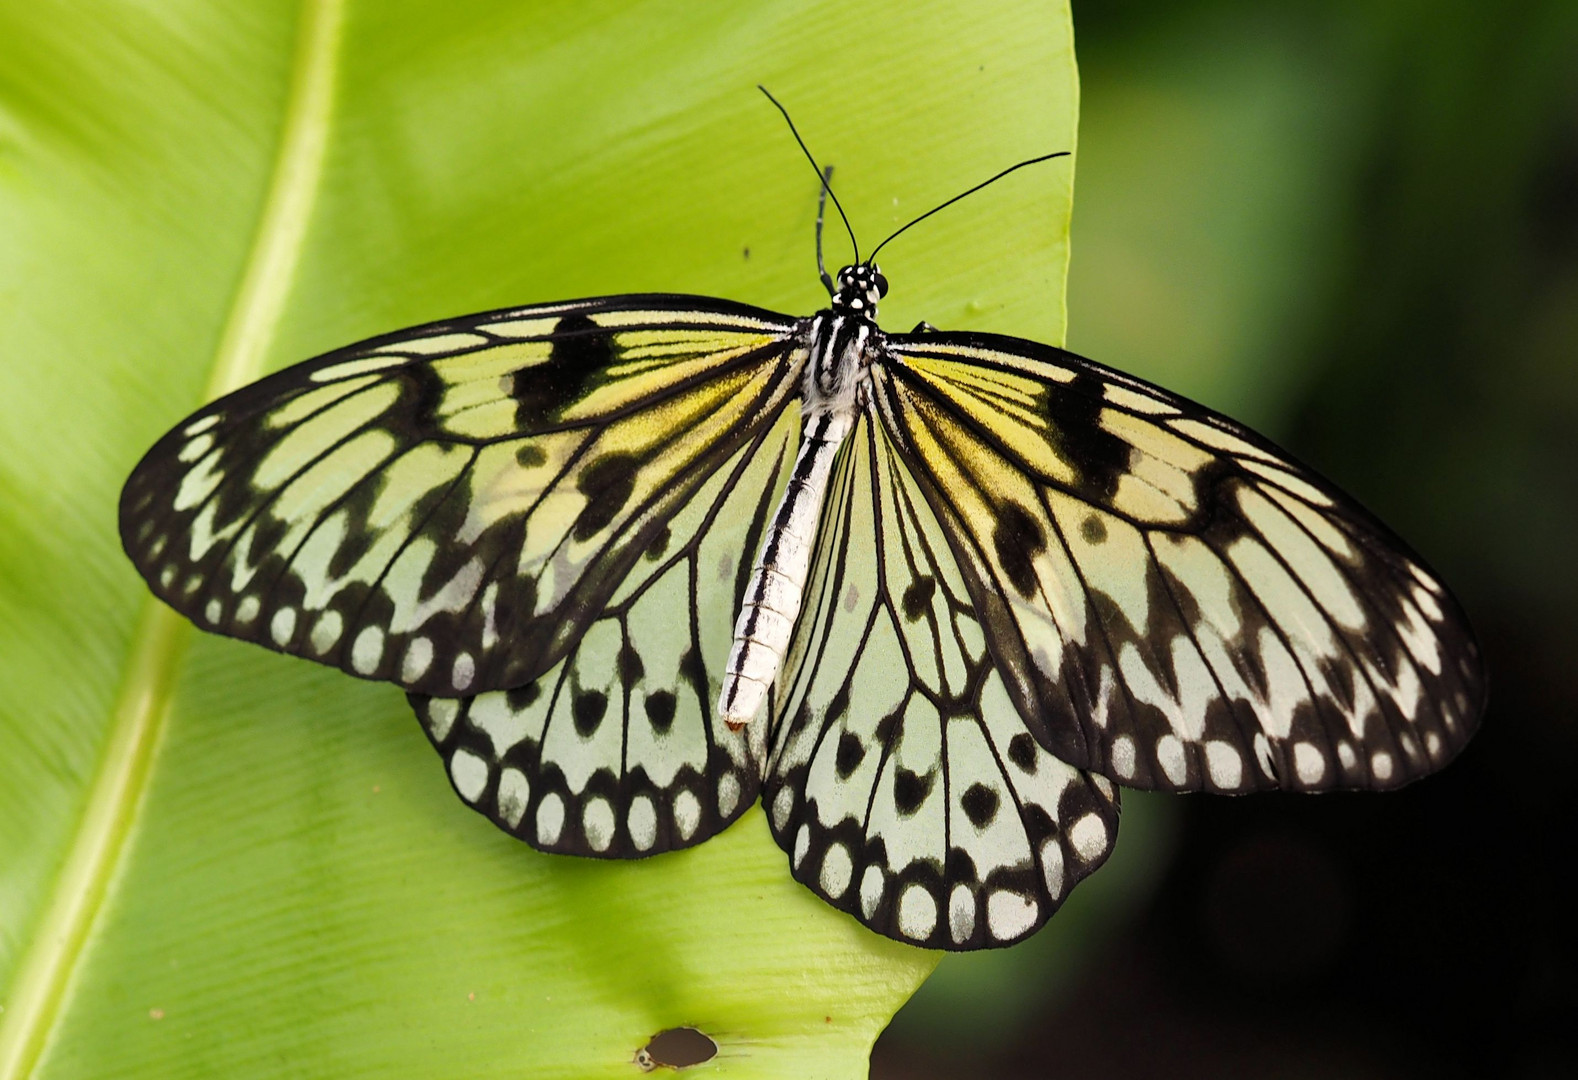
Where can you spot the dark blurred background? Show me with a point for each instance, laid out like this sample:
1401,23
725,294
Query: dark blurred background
1353,225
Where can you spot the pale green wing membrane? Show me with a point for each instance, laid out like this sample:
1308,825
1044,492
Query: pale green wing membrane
451,507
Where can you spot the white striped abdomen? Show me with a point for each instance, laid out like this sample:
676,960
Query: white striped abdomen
835,370
772,600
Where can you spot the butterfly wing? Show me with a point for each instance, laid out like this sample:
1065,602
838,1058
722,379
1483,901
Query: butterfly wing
450,507
617,751
1172,601
901,780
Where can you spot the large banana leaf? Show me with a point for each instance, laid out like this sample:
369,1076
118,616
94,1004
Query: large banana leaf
215,861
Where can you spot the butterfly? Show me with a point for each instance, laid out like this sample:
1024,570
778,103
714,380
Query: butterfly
642,560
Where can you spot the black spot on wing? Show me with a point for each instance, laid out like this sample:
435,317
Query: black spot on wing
839,705
580,349
607,484
1022,751
421,390
659,544
587,710
522,696
660,710
1018,538
980,805
910,790
1099,458
631,669
850,754
693,671
917,598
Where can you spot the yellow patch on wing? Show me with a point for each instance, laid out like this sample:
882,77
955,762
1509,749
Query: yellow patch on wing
1001,403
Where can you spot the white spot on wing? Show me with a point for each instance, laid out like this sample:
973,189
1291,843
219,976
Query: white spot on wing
871,885
282,626
326,631
464,671
1009,915
783,803
836,871
642,823
1170,756
418,658
470,774
917,913
1381,765
728,794
1223,762
1089,837
1420,639
1052,867
514,792
368,650
1308,762
441,713
195,448
961,913
550,818
687,814
1123,757
597,821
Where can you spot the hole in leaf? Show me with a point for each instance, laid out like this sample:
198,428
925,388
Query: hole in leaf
676,1048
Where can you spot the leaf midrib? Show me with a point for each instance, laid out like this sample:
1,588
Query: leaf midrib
141,706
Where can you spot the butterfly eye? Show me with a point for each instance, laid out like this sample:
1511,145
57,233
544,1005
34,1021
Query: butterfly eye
882,286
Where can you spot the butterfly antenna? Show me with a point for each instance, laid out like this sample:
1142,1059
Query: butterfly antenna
821,212
972,191
822,178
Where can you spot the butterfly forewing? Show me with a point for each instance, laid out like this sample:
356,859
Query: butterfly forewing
902,783
617,751
449,508
1171,600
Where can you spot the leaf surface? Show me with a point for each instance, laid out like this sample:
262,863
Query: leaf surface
218,861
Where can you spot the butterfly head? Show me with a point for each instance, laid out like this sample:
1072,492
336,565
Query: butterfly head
859,288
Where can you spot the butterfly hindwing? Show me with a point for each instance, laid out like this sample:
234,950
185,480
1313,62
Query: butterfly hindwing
1172,601
617,752
901,782
449,507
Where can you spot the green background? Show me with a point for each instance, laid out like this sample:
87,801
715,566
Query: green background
1349,224
221,862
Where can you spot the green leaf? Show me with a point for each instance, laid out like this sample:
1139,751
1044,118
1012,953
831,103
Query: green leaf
218,861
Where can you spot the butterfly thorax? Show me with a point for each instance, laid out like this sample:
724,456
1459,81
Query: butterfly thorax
842,336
